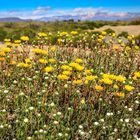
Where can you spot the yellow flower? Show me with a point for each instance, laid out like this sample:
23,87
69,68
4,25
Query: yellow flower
136,47
77,82
120,94
49,69
128,48
137,74
23,65
107,81
2,58
129,38
116,47
63,77
66,67
78,60
42,61
128,87
134,78
41,34
90,78
104,33
2,53
88,72
6,50
40,51
79,68
82,101
53,48
52,60
115,86
8,43
120,78
7,40
63,33
24,38
66,73
28,60
74,33
98,87
13,62
17,41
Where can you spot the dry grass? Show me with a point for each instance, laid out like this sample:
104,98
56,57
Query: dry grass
131,29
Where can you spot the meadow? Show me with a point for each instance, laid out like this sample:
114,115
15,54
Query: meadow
70,86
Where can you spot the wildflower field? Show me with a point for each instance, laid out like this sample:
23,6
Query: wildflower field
70,86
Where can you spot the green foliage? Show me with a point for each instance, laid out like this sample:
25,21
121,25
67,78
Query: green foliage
123,34
3,34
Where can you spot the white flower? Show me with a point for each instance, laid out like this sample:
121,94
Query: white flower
59,113
56,93
26,120
39,115
66,134
43,91
96,123
121,120
60,134
82,133
21,94
130,109
41,131
126,120
108,114
52,104
65,86
101,120
80,127
1,126
29,138
55,122
137,102
31,108
6,91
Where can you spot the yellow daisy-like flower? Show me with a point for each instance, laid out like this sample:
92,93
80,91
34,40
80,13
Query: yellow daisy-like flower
2,58
74,32
13,62
120,78
52,60
2,53
99,88
43,61
6,50
78,60
28,60
41,34
128,87
88,72
63,77
120,94
90,78
77,82
24,38
66,67
49,69
107,81
66,72
115,86
82,101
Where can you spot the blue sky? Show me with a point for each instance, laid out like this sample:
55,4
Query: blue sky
42,8
17,4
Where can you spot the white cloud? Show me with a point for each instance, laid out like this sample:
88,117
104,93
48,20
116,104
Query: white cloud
83,13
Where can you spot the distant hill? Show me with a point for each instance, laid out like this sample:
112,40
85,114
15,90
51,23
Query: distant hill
11,19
